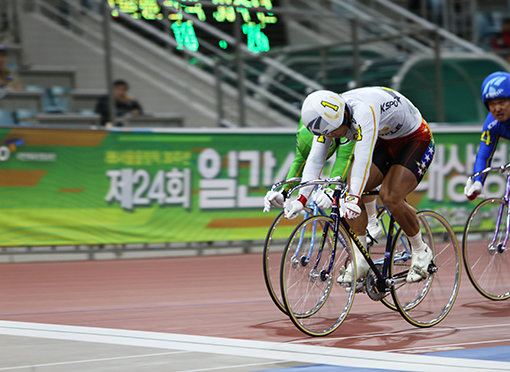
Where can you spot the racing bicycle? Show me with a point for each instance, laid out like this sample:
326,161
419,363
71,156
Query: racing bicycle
278,234
320,249
485,240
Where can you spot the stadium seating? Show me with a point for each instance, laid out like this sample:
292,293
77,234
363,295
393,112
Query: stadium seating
48,76
84,100
6,117
25,117
155,120
14,100
462,78
68,119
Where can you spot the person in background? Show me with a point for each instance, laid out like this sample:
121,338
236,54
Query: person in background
501,41
496,96
8,79
125,104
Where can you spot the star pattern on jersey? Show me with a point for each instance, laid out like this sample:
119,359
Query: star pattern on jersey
422,166
424,163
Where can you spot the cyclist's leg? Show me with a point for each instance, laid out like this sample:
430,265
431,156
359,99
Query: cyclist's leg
411,156
374,229
394,197
369,206
405,215
359,226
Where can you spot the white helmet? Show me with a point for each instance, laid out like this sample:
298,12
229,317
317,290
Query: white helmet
323,111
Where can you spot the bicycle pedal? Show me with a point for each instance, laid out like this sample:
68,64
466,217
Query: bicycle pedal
360,286
432,269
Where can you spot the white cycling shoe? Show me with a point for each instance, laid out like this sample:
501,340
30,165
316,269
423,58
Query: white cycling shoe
362,268
419,265
374,228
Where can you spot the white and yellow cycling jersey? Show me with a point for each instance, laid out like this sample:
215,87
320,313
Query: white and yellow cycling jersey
380,113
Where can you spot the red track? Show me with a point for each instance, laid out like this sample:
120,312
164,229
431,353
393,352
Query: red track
223,296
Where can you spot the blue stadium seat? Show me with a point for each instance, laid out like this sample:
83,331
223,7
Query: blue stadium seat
25,117
55,99
6,117
59,98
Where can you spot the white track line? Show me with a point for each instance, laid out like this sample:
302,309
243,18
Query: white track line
223,368
396,333
456,346
32,366
249,348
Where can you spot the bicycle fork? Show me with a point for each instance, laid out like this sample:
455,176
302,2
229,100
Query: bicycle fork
500,247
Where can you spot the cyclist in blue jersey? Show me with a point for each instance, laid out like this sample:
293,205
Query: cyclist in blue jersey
496,96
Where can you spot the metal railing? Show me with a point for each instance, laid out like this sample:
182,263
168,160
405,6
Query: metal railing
279,81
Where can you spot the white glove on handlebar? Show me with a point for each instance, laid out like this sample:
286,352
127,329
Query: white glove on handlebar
273,199
351,208
324,198
294,207
472,189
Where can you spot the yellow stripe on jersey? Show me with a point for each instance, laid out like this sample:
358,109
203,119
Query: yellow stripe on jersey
348,165
372,145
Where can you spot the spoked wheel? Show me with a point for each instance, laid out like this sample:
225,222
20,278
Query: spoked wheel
486,258
315,302
428,301
276,239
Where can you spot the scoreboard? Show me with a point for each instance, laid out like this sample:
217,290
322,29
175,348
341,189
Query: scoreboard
261,28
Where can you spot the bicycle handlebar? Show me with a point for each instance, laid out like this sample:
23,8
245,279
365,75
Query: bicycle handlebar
501,169
340,185
284,182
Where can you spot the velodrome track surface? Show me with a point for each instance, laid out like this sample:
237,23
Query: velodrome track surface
213,313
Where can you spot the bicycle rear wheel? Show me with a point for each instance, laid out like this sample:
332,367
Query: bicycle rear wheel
427,302
315,302
275,242
485,257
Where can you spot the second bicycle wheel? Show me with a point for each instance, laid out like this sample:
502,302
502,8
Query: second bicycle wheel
315,302
275,242
486,259
426,302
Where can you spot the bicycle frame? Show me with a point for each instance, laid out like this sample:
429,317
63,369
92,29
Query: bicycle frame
383,282
385,229
506,198
306,289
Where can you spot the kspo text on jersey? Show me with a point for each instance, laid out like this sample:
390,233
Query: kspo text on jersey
389,104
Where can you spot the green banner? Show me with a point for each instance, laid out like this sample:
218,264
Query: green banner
65,187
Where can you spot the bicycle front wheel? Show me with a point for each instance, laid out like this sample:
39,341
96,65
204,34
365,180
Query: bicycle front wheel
275,242
315,302
426,302
484,249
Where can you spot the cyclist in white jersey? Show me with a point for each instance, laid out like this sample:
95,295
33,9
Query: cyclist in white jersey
394,147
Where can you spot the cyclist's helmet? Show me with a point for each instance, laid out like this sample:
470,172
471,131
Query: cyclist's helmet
323,111
496,85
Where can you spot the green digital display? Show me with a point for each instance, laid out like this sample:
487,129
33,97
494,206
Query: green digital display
261,29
